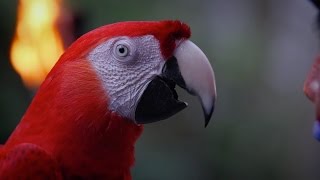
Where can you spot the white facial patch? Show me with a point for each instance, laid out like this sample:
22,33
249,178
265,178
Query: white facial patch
126,66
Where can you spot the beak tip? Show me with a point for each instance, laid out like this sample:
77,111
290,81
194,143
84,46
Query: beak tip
207,116
206,123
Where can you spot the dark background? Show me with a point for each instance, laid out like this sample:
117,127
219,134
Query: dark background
261,52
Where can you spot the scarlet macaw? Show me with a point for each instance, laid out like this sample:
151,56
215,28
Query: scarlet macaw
87,115
312,84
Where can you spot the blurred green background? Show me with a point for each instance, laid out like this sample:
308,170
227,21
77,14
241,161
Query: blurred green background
261,52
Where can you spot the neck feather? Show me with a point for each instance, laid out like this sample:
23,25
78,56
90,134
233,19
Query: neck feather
69,118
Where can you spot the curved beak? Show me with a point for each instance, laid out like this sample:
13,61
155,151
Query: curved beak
198,75
188,68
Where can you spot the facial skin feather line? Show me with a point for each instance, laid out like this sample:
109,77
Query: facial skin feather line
135,74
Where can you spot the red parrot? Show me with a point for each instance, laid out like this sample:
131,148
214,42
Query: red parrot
312,83
88,113
312,91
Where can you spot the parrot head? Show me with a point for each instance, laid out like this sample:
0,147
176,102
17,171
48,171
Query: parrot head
312,83
139,65
312,91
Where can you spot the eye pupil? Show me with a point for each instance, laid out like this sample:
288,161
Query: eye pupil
122,50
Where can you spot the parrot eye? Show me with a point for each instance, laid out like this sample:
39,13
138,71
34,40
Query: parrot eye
122,50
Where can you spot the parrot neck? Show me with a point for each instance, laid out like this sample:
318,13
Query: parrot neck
69,118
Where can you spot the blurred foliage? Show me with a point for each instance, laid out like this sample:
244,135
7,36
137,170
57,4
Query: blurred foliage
261,128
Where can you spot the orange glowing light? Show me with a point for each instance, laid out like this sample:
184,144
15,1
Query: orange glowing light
37,43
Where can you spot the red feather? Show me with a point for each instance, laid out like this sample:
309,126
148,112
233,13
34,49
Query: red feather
167,32
69,118
38,163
